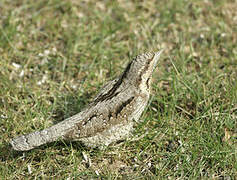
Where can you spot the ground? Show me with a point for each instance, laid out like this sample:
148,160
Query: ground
55,55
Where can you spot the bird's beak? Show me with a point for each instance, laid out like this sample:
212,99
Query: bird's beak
156,58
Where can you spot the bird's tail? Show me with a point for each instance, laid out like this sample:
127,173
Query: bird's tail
35,139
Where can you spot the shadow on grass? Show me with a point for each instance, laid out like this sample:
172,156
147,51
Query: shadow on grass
70,105
7,153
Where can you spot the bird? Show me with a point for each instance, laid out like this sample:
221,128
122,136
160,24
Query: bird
110,116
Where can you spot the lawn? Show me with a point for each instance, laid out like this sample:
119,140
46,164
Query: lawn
56,55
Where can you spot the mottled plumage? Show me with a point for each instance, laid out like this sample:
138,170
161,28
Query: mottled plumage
110,116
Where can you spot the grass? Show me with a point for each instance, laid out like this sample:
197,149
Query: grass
55,55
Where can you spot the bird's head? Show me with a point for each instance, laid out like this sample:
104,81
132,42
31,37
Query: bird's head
140,69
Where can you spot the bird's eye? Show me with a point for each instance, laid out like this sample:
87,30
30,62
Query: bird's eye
147,83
